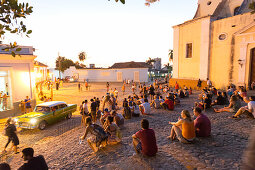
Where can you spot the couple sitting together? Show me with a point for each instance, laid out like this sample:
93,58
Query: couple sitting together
186,130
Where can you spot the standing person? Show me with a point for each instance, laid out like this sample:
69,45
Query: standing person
107,87
93,110
28,104
57,84
5,97
123,88
116,93
151,92
133,88
184,129
176,86
144,141
199,83
33,163
79,86
202,123
209,83
98,137
86,85
10,131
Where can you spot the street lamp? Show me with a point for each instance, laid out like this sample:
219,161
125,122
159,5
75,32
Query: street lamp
241,62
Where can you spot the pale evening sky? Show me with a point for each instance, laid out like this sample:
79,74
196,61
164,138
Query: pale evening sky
107,31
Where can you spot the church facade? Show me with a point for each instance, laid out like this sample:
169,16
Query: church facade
218,43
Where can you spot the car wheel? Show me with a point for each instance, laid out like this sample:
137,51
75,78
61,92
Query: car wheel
69,116
42,125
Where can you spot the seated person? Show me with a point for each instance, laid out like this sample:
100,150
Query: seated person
155,103
219,100
202,123
104,116
161,100
145,107
181,94
113,132
99,136
176,100
190,91
249,110
205,103
186,92
184,129
233,107
168,104
141,99
135,111
37,163
118,118
144,141
225,98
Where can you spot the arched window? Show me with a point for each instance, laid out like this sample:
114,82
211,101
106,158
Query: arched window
236,10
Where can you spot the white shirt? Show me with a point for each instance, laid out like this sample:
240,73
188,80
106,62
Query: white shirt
251,106
85,108
209,83
147,107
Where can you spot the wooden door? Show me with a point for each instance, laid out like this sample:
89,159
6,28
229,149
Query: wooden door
119,77
252,74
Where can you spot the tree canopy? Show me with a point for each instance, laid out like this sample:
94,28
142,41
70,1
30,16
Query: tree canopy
12,15
63,63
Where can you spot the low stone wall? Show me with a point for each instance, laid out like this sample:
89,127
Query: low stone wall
186,82
16,111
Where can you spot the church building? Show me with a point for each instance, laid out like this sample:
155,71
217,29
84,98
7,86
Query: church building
218,43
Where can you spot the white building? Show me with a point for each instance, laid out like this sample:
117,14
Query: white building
16,79
119,72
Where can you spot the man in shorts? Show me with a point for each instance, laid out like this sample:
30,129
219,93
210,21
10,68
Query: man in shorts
28,106
144,141
99,136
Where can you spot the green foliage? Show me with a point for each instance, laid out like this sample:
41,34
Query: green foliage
12,14
82,56
170,54
252,7
63,63
150,61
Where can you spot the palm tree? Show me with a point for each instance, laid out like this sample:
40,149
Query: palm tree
82,56
170,54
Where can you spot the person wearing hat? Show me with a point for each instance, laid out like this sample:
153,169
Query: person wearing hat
248,110
104,116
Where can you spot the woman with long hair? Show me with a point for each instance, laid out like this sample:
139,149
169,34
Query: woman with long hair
183,129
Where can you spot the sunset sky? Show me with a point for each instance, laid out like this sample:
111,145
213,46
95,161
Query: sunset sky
107,31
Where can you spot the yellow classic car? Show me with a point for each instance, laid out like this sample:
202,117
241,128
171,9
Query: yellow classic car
45,114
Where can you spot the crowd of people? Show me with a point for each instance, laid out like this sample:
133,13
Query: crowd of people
104,118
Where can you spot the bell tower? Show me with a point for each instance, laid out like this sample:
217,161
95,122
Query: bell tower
219,8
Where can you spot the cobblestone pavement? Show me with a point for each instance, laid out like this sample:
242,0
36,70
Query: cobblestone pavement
223,150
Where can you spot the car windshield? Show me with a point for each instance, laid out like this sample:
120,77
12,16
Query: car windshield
42,109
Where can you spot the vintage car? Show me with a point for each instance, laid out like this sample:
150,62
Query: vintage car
45,114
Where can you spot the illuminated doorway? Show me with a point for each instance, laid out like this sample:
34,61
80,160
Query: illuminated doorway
5,92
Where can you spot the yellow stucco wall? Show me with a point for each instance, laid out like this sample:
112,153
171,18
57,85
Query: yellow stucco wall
189,33
220,60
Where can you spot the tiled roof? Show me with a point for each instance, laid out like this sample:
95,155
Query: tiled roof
131,64
37,63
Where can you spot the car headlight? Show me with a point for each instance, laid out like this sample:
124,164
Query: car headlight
15,120
33,121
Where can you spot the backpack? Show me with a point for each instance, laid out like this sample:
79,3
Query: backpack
99,132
